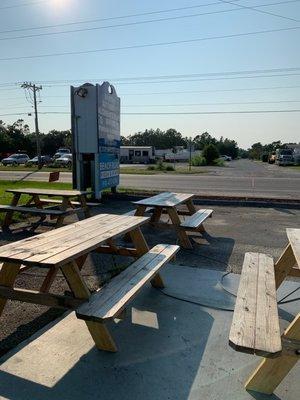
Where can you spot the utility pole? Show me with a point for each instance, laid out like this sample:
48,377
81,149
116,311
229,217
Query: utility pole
32,88
190,158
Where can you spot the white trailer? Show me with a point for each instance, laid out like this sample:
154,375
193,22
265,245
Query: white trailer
137,154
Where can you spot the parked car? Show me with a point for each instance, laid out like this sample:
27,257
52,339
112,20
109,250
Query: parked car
64,150
15,159
34,161
226,158
64,161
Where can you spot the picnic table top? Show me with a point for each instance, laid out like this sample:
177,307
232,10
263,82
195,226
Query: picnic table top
59,246
294,239
166,199
49,192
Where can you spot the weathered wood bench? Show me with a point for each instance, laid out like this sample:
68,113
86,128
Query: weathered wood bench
108,302
37,211
195,221
255,326
73,203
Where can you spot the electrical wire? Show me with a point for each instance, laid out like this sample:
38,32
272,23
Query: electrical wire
25,4
147,45
135,23
133,15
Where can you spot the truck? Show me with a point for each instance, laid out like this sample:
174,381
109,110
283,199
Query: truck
284,157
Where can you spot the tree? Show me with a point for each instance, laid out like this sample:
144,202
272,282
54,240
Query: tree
228,147
210,153
157,138
256,150
204,139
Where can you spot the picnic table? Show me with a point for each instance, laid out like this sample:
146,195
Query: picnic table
73,201
66,249
255,326
168,202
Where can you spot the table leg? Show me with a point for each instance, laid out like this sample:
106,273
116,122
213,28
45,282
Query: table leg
156,215
63,207
139,241
98,331
8,274
140,211
184,239
49,279
284,264
191,207
272,371
8,217
82,200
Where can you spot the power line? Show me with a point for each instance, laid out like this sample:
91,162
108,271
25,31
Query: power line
150,44
255,8
88,21
25,4
132,23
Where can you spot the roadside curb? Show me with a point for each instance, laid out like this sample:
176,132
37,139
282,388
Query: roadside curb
238,201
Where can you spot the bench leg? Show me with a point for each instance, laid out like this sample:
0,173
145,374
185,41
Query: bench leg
157,282
272,371
184,239
101,336
98,331
8,274
284,264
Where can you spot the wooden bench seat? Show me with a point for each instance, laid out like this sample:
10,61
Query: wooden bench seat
196,220
110,300
74,203
30,210
255,325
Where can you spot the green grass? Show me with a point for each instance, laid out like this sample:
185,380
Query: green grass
32,169
178,171
5,198
295,167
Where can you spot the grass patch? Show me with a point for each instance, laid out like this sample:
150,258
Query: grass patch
179,170
33,169
5,198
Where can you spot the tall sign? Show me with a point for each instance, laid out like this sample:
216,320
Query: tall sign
96,137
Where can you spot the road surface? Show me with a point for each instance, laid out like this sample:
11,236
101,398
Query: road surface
239,178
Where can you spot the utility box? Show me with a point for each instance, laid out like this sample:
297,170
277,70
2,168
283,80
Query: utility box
95,113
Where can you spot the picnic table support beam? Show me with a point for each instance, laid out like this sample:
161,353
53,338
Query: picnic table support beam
191,207
98,331
8,274
284,265
184,239
9,215
272,371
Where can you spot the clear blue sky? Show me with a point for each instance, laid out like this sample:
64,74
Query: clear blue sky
273,50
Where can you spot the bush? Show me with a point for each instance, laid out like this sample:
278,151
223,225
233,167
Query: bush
210,153
219,162
151,168
160,165
170,168
198,161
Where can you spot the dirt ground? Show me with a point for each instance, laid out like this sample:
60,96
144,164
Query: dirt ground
230,233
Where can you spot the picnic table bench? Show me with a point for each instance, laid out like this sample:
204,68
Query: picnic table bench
66,249
168,202
40,206
255,325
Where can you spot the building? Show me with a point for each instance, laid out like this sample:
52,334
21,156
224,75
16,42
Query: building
137,154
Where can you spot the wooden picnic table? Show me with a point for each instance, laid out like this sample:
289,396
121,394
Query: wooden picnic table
255,327
168,202
37,205
66,249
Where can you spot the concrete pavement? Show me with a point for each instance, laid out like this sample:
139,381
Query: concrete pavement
239,178
168,349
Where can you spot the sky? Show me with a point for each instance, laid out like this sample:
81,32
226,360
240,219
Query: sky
196,66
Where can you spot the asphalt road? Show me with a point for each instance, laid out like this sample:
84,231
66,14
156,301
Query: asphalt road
239,178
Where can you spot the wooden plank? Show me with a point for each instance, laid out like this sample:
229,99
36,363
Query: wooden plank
109,300
197,219
8,217
139,241
35,297
255,324
8,274
31,210
294,239
270,372
73,202
49,192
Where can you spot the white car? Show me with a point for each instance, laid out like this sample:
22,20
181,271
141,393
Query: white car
226,158
64,161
